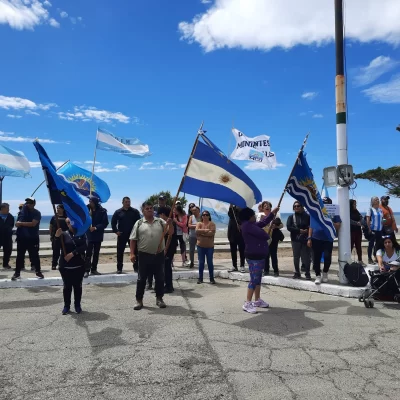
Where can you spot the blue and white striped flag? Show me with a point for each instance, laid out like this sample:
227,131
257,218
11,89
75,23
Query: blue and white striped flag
211,174
13,163
302,187
128,147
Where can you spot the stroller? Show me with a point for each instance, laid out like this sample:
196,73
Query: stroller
382,284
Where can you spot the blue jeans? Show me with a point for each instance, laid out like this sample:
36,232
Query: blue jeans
202,253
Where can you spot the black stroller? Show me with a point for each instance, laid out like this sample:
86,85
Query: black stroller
382,284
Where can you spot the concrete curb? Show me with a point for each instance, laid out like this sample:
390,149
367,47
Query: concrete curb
310,286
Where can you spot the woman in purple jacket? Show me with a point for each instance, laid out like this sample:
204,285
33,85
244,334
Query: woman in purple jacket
256,251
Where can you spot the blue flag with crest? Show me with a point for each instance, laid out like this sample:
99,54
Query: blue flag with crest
61,192
302,187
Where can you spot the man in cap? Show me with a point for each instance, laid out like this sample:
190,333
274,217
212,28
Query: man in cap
28,237
95,235
389,222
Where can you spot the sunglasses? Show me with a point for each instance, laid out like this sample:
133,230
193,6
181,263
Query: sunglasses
297,206
205,215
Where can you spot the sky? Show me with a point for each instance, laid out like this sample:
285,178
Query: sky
155,69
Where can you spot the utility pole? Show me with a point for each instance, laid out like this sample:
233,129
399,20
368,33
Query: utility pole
341,142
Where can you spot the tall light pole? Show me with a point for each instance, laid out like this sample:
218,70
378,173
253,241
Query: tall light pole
341,142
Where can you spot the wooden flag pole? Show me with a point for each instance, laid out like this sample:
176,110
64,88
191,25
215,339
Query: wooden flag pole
199,132
58,227
94,163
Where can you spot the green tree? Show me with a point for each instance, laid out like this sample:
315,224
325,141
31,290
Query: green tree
154,198
388,178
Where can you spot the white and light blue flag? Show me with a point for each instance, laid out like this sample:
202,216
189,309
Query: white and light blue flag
217,209
302,187
211,174
128,147
13,163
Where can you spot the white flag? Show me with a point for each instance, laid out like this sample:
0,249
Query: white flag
256,149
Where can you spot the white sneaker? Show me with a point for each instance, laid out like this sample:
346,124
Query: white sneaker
260,303
325,277
317,280
242,270
249,307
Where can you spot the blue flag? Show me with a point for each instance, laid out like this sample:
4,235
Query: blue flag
212,175
302,187
82,182
61,192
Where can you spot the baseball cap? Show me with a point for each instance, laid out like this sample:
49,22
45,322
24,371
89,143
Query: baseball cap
385,197
30,200
162,198
177,202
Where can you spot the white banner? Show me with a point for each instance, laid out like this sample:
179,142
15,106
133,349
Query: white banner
256,149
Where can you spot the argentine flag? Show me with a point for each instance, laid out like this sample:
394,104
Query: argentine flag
13,163
211,174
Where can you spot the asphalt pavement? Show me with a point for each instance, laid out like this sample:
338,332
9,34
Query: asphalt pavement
202,346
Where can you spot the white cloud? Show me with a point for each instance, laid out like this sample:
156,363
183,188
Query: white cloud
206,1
73,20
168,166
18,103
31,112
63,14
14,116
25,14
9,137
54,23
84,113
254,166
37,164
260,24
309,95
99,167
375,69
318,116
388,92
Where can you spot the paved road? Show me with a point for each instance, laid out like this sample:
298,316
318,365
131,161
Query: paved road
202,346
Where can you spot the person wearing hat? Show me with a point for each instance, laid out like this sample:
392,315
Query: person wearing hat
56,244
28,237
321,243
389,222
6,226
95,235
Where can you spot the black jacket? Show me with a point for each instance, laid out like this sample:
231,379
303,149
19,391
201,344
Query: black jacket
124,220
6,227
302,222
234,234
53,224
173,245
100,222
73,244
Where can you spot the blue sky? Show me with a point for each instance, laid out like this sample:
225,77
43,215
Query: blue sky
153,71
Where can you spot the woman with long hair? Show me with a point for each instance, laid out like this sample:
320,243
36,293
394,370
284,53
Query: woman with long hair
388,251
181,221
355,230
375,226
205,232
72,265
256,252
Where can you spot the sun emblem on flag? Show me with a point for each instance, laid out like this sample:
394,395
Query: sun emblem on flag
224,178
309,184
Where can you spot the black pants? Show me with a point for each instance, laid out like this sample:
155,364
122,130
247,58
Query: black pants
182,243
122,240
301,251
168,272
56,246
32,247
273,254
7,250
319,247
93,249
234,245
72,279
150,264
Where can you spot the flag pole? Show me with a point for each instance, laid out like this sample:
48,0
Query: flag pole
1,188
199,132
45,180
94,163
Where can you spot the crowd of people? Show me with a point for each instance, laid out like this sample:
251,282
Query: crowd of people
155,234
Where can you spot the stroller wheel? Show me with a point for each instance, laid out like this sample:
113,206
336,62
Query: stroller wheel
361,298
397,298
369,303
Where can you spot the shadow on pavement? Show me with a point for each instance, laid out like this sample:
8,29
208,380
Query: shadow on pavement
11,305
44,289
325,305
113,285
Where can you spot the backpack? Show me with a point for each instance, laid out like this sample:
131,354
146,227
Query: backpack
355,274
